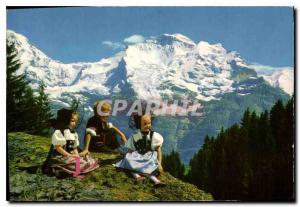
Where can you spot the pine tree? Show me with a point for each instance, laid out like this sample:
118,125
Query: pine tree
289,187
43,112
29,111
25,111
196,174
173,165
251,162
246,118
282,125
17,90
277,121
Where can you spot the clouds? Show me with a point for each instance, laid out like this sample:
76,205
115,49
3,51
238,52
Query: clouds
266,69
113,45
133,39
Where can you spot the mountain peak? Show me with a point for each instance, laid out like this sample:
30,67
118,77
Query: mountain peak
165,66
204,48
26,50
181,38
169,39
168,65
18,38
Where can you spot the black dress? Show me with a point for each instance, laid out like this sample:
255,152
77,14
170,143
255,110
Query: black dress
105,136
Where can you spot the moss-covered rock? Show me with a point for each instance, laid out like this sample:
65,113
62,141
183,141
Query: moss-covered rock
26,153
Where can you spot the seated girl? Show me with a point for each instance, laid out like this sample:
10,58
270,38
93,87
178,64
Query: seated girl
100,133
63,157
144,157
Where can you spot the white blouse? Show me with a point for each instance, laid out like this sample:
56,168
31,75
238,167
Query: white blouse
157,140
59,139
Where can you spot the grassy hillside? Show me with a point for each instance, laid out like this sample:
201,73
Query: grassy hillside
26,153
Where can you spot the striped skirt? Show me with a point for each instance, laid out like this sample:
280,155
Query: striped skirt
72,166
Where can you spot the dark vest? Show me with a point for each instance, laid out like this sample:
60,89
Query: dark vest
105,136
143,145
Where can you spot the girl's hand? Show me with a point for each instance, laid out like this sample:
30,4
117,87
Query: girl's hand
160,168
84,152
69,157
110,125
73,156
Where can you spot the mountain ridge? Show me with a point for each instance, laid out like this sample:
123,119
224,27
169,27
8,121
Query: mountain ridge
159,60
213,62
172,69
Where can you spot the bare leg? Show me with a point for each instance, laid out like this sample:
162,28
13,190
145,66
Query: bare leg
137,177
156,181
153,178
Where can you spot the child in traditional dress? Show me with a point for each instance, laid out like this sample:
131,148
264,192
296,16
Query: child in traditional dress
144,158
100,133
63,156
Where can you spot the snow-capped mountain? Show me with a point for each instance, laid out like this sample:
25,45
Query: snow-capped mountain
280,77
74,78
171,66
156,68
283,79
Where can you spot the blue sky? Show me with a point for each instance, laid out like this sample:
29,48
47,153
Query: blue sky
263,35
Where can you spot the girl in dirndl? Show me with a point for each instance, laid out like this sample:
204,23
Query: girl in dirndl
63,157
144,156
